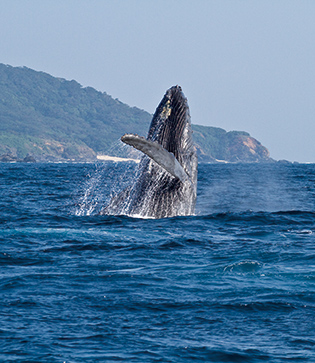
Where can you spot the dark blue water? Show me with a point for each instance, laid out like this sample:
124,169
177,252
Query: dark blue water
235,283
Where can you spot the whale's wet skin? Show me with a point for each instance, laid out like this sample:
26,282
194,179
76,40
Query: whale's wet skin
166,182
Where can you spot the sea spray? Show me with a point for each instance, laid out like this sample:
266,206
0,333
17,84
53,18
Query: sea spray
107,180
181,202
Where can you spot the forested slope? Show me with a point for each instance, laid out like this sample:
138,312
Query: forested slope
55,119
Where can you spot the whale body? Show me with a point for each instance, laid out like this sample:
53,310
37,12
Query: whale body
166,181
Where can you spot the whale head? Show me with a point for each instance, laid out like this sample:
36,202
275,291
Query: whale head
171,128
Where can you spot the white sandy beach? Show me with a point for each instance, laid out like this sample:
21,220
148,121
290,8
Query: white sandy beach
115,158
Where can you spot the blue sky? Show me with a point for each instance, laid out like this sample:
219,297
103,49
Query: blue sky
243,64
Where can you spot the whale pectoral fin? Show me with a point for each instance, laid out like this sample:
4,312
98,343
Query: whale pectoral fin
157,153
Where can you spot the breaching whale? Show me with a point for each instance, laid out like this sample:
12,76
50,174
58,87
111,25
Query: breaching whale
166,181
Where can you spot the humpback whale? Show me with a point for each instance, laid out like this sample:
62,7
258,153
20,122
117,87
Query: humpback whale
166,181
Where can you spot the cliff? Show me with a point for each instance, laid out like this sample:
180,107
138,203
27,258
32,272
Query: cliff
215,144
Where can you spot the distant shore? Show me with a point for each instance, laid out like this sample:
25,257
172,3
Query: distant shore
9,158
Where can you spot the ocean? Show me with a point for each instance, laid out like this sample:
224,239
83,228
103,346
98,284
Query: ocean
233,283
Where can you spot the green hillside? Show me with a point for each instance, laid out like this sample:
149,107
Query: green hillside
55,119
